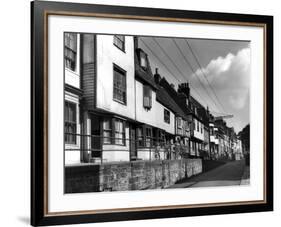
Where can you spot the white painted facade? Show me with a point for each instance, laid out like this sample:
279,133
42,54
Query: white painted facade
72,78
155,115
108,55
149,154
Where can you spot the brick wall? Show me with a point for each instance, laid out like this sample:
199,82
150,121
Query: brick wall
124,176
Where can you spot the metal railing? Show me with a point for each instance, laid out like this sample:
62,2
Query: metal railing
95,147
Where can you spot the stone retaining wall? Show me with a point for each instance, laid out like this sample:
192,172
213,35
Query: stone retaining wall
122,176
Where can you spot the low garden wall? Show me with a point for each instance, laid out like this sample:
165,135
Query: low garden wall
122,176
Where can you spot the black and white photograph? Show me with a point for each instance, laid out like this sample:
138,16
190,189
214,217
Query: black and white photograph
150,113
145,113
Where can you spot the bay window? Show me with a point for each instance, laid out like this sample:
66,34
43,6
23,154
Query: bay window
114,131
70,123
146,136
119,127
107,131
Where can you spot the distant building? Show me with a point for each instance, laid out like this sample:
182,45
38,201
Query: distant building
244,136
237,147
214,141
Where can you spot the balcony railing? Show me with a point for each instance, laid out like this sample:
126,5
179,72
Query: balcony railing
96,146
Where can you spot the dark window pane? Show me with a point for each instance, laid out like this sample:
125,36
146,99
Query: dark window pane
70,122
166,116
119,85
70,50
119,41
107,131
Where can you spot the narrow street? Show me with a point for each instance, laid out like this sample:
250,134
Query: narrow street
228,174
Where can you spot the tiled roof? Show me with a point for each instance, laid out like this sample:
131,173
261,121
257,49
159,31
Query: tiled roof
201,111
163,97
174,95
144,75
195,102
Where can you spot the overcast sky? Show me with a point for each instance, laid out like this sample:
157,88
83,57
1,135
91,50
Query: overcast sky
222,83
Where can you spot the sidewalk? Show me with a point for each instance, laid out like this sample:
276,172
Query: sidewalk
228,174
245,180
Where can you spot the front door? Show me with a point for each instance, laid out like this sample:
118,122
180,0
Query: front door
96,139
133,143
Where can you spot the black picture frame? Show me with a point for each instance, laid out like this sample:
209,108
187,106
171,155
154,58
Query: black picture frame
39,125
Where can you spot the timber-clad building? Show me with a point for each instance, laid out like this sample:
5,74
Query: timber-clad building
118,109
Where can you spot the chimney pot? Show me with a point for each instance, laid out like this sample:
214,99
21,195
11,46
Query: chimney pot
157,77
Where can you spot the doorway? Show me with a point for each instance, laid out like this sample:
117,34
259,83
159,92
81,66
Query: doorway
96,139
133,143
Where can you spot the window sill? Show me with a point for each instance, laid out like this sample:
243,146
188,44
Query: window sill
121,145
120,102
71,146
75,72
147,109
144,147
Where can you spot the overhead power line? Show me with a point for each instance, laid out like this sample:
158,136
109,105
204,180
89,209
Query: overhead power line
164,65
193,71
200,67
174,64
153,53
173,75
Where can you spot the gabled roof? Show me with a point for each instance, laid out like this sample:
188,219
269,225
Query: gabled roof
201,111
164,98
145,76
175,96
195,102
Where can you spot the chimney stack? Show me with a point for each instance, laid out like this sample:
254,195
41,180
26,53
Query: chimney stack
208,112
184,88
157,76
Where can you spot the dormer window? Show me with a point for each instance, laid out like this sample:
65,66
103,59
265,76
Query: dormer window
195,111
143,60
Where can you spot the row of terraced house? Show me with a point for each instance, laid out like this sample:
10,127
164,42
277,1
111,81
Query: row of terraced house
117,109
